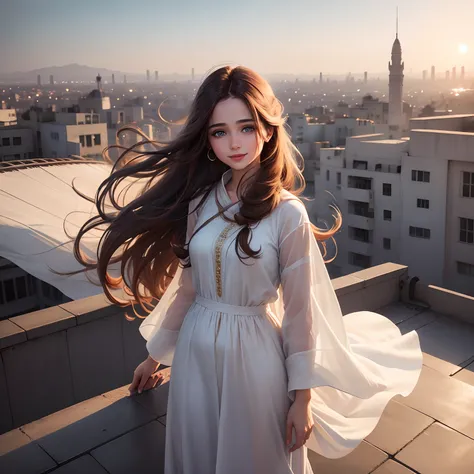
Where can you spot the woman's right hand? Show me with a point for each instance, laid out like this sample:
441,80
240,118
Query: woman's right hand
145,376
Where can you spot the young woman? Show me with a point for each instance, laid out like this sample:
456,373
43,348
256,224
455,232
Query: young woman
263,363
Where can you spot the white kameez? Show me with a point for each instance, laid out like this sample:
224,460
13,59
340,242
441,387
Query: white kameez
277,327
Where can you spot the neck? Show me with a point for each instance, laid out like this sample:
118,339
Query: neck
237,176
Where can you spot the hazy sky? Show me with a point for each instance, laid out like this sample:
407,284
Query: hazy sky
292,36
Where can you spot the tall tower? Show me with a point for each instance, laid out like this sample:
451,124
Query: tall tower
148,75
51,80
38,80
192,74
395,85
156,75
453,76
98,81
113,78
433,73
365,77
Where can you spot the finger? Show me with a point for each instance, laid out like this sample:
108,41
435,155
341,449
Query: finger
288,432
299,441
134,384
142,383
152,381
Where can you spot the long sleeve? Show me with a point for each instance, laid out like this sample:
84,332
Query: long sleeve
354,364
161,327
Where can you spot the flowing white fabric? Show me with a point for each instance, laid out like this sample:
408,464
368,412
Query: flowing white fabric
237,359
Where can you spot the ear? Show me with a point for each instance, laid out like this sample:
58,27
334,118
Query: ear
269,135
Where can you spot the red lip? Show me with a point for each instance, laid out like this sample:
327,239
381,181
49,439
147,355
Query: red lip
238,156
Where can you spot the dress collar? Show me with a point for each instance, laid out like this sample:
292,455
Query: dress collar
223,196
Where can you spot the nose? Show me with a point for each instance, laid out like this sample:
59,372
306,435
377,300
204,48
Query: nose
234,145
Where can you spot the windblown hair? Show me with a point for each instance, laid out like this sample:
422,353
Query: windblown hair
147,235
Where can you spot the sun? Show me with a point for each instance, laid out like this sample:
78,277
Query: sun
463,48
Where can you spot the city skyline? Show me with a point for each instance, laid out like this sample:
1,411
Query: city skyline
334,38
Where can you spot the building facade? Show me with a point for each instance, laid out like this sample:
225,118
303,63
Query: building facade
406,201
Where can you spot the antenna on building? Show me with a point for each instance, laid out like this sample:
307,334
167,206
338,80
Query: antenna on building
397,22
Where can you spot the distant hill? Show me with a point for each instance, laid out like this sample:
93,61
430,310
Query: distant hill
79,72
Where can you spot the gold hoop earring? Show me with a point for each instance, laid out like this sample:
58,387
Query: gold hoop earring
208,157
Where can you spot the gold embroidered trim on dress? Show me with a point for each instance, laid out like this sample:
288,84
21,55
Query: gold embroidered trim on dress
218,256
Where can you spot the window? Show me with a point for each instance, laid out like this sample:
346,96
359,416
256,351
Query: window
46,289
16,141
359,260
328,175
387,244
82,140
55,136
387,189
88,119
359,208
89,140
423,203
468,185
97,139
466,233
338,177
6,141
387,215
20,284
420,232
95,118
31,281
359,183
378,167
362,235
121,117
465,269
9,290
422,176
359,165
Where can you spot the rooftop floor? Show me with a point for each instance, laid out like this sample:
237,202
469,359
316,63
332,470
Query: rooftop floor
431,431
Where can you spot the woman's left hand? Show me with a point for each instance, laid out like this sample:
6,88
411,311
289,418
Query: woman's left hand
301,418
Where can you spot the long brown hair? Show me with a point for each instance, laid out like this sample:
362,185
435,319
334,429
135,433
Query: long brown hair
147,235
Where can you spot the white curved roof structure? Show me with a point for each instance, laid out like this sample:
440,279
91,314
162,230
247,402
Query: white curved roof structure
37,202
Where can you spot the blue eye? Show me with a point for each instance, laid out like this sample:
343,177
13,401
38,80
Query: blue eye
221,131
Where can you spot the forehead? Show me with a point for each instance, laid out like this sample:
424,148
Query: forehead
230,110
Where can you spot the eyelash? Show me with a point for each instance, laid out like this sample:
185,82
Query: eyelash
218,131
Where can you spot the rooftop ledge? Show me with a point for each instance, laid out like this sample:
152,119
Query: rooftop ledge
64,373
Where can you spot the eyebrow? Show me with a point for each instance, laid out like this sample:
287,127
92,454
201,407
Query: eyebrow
224,124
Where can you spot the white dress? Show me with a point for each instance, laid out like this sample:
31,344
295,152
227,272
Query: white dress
241,337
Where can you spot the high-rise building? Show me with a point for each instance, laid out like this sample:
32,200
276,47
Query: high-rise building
38,80
405,201
113,78
156,76
148,75
453,77
425,74
124,78
320,77
365,77
192,74
51,80
433,73
447,75
396,67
